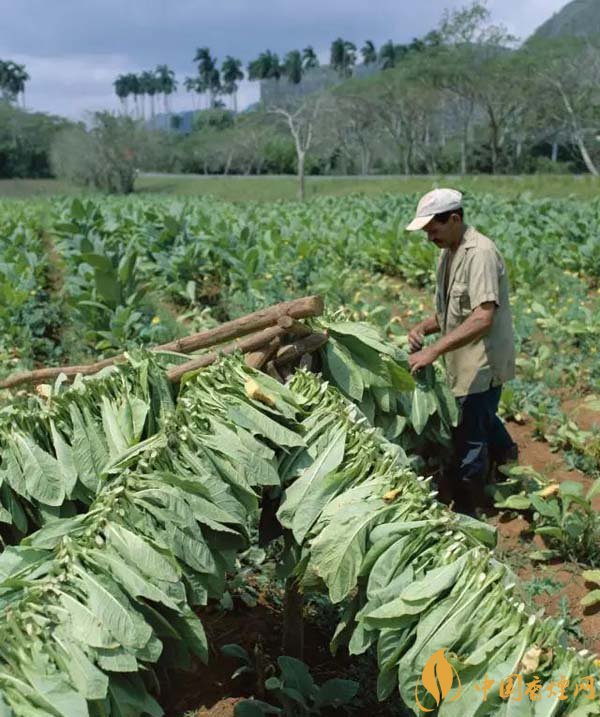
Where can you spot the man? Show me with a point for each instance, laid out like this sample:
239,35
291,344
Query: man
472,312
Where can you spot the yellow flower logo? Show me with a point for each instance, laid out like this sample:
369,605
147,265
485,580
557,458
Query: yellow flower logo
437,678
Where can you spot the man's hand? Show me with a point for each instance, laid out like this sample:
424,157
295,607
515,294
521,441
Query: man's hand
417,334
422,358
415,339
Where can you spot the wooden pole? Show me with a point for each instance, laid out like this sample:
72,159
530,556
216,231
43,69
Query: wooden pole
248,344
257,359
293,620
296,309
293,352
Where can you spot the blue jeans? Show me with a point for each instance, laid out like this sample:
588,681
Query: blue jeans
481,438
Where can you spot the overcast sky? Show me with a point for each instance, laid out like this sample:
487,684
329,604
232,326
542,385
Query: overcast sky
74,49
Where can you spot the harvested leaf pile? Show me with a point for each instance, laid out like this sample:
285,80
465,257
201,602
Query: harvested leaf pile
143,497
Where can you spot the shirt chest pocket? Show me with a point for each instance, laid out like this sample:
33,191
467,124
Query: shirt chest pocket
459,303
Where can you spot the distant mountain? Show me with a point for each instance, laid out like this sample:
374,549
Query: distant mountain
579,17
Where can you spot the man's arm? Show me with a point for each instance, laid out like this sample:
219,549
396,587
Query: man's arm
475,326
424,328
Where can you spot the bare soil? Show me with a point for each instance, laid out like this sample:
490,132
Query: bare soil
584,417
210,691
515,541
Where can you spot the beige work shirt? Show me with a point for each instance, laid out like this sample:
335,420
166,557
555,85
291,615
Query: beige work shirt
477,275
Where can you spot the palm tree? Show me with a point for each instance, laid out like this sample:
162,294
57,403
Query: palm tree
309,58
343,57
12,80
232,73
369,53
153,87
135,90
191,84
388,54
265,67
208,72
147,87
214,87
121,85
292,66
166,83
20,77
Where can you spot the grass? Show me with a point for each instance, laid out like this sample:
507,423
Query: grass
272,188
26,188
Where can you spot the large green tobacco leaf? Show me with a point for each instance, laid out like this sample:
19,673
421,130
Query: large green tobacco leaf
306,497
56,695
89,449
362,333
64,454
42,472
343,370
129,698
86,626
338,550
111,607
86,677
141,553
417,596
127,576
259,424
424,405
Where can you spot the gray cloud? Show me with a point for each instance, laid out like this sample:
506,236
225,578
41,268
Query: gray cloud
73,49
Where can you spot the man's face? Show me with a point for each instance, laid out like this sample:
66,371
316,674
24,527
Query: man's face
445,235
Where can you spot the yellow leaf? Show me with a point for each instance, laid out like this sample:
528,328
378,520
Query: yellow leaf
391,495
531,660
549,490
254,391
44,390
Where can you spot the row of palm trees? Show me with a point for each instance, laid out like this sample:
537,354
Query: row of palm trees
213,82
342,58
12,81
153,84
343,53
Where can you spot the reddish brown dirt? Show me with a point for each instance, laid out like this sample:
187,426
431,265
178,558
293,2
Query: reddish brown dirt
585,418
210,691
515,540
538,454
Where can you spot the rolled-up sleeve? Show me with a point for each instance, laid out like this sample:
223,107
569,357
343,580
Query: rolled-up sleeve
484,278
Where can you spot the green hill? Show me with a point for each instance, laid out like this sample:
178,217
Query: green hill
579,17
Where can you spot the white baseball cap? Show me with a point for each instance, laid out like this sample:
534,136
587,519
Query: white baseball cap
435,202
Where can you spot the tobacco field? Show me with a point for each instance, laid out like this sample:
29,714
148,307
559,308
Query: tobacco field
135,513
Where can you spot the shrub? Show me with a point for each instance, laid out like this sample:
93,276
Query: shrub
103,157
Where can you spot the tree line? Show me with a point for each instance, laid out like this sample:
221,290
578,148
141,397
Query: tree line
466,98
463,98
212,82
153,84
